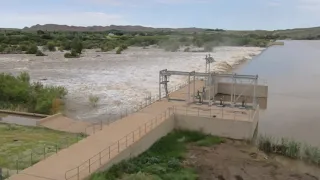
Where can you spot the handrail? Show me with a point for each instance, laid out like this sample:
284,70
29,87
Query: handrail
86,165
222,112
136,108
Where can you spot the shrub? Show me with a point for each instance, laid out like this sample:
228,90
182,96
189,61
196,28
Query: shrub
77,45
123,46
94,100
23,47
2,48
32,49
35,98
39,53
119,50
72,54
51,46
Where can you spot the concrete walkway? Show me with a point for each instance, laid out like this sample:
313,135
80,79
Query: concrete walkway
55,167
62,123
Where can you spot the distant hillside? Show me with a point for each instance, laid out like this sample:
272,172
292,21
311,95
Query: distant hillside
297,33
55,27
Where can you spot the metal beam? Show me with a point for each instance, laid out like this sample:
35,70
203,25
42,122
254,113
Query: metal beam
199,74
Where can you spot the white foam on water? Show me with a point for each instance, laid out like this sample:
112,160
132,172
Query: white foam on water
120,81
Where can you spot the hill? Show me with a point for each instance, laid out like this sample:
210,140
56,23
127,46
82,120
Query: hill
56,27
297,33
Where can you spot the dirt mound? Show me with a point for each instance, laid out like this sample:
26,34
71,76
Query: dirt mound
235,160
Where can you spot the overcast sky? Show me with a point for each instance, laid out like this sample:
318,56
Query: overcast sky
226,14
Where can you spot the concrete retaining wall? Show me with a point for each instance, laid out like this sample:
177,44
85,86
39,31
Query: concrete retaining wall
49,118
143,144
223,128
214,126
247,89
24,114
255,121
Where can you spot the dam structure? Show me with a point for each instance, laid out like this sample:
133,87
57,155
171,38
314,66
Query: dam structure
225,105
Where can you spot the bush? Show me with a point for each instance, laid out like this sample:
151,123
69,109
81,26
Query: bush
23,47
72,54
119,50
32,49
51,46
123,47
2,48
60,48
34,98
77,45
94,100
39,53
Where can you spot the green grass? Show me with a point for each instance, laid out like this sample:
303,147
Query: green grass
29,144
163,161
289,148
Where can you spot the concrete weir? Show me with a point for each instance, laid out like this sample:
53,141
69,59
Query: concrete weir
195,106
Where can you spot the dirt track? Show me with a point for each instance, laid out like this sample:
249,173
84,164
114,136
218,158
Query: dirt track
235,160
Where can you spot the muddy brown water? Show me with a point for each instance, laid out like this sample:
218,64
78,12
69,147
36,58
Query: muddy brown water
293,75
120,81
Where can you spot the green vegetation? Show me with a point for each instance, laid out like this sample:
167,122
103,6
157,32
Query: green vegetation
163,161
51,46
19,41
18,93
289,148
28,145
39,53
72,54
94,100
32,49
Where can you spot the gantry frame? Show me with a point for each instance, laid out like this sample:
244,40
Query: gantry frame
211,79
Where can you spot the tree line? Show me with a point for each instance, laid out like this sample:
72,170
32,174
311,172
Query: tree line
18,41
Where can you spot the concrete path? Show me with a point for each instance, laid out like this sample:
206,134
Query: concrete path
62,123
55,167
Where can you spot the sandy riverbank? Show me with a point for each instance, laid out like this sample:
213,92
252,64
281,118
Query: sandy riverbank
119,80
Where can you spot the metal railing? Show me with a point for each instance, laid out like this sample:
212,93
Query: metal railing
217,112
99,159
22,161
94,127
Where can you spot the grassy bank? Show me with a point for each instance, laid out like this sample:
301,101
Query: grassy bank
28,145
289,148
163,161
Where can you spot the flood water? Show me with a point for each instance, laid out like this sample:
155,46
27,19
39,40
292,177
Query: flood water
120,81
293,75
20,120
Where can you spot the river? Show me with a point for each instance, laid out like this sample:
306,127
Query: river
293,75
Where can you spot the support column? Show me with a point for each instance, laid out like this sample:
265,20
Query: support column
194,86
254,92
209,80
232,90
214,86
159,85
188,94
